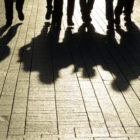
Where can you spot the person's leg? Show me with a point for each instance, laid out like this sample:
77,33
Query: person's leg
9,11
118,10
83,9
70,10
89,9
110,14
49,9
19,7
129,4
90,4
57,12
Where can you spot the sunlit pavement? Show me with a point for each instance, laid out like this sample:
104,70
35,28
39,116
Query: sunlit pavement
69,84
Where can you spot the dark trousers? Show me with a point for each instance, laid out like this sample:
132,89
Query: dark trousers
127,5
49,4
86,7
9,8
109,11
70,8
58,11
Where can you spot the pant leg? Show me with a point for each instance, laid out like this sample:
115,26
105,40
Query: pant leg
119,7
49,4
9,10
58,7
83,7
109,10
19,5
129,4
70,8
58,11
90,6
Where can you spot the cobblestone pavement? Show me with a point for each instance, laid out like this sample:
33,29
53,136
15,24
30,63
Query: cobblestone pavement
69,84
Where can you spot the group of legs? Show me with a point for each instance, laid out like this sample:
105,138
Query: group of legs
56,11
9,10
55,7
86,7
127,5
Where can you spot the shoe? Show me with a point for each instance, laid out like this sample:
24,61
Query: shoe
48,14
70,22
8,23
20,15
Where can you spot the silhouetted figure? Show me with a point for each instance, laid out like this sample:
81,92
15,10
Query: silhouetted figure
128,9
86,7
9,10
70,10
110,14
57,13
49,9
5,39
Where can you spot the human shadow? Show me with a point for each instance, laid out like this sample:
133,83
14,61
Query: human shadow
128,55
3,29
5,39
121,60
45,54
36,56
86,50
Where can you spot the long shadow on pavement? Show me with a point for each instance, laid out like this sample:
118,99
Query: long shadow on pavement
85,49
5,39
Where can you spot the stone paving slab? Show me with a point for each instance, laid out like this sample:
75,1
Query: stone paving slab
69,84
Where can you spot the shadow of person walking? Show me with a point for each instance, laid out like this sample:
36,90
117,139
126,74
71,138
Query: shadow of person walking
128,48
45,54
5,39
99,50
87,51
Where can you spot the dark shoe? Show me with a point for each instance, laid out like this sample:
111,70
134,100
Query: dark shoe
48,14
8,23
20,15
70,22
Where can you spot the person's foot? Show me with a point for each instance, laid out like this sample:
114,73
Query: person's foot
48,14
8,23
20,15
70,22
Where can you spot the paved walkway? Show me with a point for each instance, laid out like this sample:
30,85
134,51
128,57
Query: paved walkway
69,84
